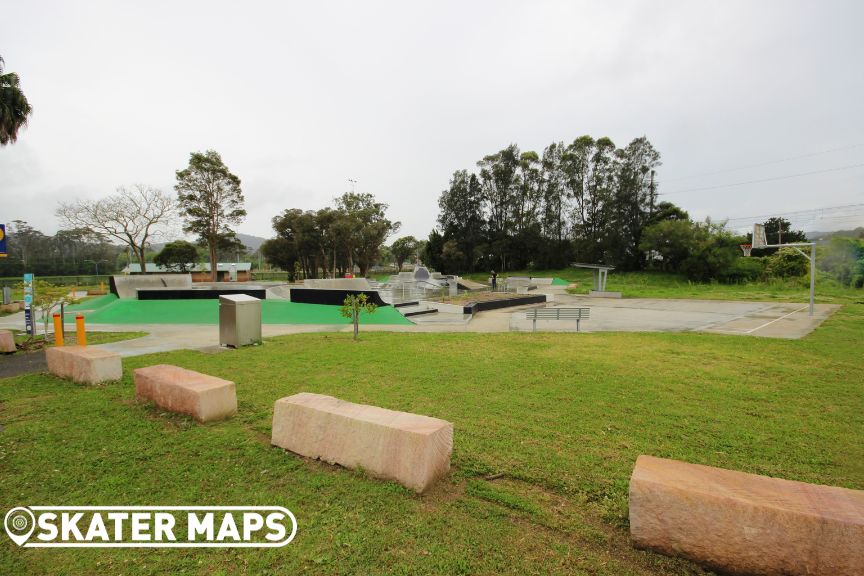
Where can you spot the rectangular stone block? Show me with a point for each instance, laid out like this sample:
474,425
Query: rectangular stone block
7,341
744,523
84,364
411,449
206,398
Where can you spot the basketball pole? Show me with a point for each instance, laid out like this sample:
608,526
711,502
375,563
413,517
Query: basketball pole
812,275
812,259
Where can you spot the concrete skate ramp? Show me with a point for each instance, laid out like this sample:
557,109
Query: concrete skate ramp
282,291
332,297
338,283
201,292
471,285
542,281
127,286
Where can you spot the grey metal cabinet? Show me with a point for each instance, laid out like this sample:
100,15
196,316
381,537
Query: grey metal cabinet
239,320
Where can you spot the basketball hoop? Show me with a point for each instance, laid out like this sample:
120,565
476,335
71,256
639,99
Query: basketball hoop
746,248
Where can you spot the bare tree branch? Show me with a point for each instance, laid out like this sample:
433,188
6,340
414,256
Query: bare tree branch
135,216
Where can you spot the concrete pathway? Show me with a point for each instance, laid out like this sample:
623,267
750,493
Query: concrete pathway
767,319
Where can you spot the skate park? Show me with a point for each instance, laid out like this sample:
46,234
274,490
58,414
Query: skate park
413,302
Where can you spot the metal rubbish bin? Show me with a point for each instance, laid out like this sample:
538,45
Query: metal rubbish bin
239,320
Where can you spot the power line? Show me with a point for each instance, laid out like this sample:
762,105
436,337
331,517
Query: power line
775,178
768,163
852,214
797,212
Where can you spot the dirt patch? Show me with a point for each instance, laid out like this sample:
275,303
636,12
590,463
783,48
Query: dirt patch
22,363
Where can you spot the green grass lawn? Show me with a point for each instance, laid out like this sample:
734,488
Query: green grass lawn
110,310
92,337
563,416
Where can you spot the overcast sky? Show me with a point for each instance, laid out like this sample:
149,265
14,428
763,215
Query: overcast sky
299,97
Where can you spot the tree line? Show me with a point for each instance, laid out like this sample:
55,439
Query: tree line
587,200
593,202
330,241
68,252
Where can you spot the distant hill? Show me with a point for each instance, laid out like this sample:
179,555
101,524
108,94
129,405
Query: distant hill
856,233
251,242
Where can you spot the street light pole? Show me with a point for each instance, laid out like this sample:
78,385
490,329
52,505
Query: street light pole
96,264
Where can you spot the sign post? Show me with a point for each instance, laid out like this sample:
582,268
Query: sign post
3,251
29,325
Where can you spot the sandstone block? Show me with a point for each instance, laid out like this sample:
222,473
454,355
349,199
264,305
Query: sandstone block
411,449
7,341
205,398
84,364
744,523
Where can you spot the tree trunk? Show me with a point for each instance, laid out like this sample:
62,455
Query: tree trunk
356,321
141,259
214,268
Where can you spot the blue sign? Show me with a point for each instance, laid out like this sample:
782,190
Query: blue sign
3,241
29,325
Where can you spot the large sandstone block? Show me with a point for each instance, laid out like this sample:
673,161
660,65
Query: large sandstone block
411,449
84,364
744,523
205,398
7,341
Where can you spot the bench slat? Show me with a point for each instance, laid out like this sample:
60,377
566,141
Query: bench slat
558,314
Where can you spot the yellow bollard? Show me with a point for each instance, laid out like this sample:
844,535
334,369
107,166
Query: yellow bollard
102,287
80,334
58,330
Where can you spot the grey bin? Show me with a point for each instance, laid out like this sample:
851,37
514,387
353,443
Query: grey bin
239,320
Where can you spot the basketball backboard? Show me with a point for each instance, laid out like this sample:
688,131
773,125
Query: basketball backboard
759,238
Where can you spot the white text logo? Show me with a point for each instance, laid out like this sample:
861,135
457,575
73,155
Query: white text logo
150,526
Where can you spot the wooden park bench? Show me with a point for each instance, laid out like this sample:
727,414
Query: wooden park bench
577,314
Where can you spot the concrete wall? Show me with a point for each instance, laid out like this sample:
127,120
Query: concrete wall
127,286
441,307
338,283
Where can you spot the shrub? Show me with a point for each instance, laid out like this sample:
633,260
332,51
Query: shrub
786,263
745,269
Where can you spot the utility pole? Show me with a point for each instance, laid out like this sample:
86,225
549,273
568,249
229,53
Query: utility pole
651,193
353,182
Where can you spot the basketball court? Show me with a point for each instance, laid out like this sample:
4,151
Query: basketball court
766,319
